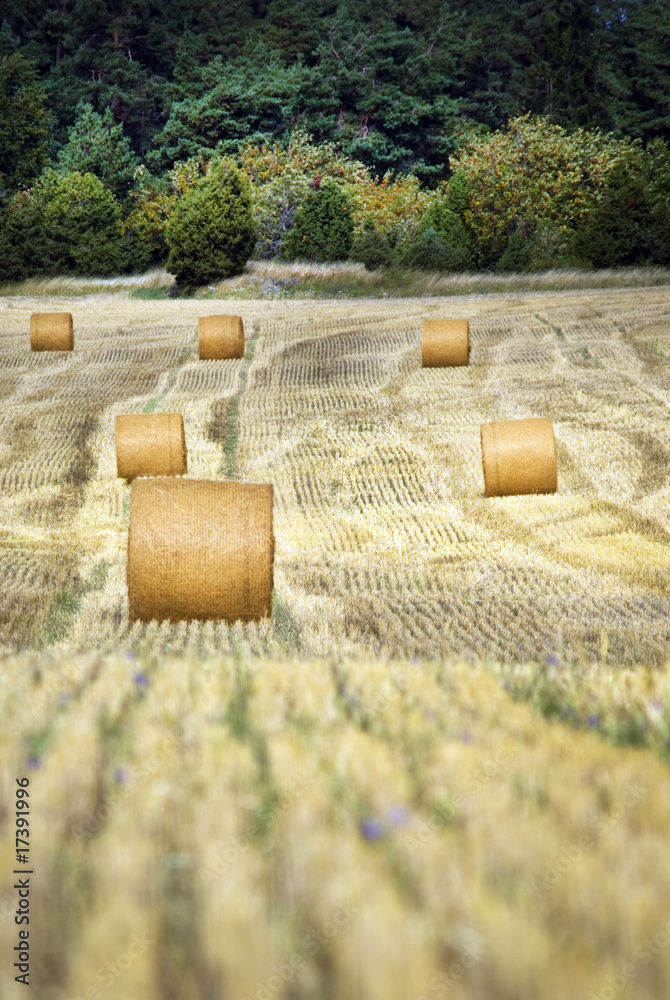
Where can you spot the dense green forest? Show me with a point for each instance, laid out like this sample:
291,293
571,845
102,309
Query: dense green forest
130,91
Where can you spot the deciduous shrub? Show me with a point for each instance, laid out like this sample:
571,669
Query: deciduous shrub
275,205
392,205
534,173
211,231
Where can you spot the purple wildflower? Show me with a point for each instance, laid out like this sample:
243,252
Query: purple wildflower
397,815
592,721
141,679
371,829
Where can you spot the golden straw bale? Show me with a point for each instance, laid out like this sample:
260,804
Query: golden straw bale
51,332
150,444
200,549
519,456
220,337
445,343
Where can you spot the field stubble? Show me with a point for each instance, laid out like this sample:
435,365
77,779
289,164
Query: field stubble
395,826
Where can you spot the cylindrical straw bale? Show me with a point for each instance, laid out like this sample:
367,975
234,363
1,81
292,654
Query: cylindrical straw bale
150,444
445,343
519,456
200,549
220,337
51,332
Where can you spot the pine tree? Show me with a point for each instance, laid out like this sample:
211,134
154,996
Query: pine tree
25,124
97,146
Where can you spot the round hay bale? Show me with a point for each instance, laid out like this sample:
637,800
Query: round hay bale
220,337
519,456
445,343
200,549
150,444
51,332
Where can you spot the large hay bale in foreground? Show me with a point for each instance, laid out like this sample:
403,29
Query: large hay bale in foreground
150,444
200,549
519,456
220,337
445,343
51,332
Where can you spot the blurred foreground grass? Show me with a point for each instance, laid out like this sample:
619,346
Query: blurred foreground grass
326,829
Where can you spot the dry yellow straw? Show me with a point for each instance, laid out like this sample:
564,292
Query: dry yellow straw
220,337
519,456
51,332
200,549
150,444
445,342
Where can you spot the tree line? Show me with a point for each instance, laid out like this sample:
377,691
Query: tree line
127,105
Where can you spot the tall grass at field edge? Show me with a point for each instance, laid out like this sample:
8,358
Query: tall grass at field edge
342,280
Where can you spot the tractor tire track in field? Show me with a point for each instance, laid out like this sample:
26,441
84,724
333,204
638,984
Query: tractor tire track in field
384,540
49,456
223,427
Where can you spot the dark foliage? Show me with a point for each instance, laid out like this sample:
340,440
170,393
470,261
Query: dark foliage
322,228
391,82
66,225
212,232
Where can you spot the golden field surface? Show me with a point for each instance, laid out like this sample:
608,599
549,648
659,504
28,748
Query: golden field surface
440,768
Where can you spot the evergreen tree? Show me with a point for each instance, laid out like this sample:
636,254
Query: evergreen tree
25,124
96,145
251,103
631,222
212,232
322,229
374,248
657,174
557,61
67,224
392,83
395,99
639,51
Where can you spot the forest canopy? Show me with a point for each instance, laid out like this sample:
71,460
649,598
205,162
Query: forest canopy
393,98
392,82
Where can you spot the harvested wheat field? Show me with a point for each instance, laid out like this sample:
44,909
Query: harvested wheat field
439,769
